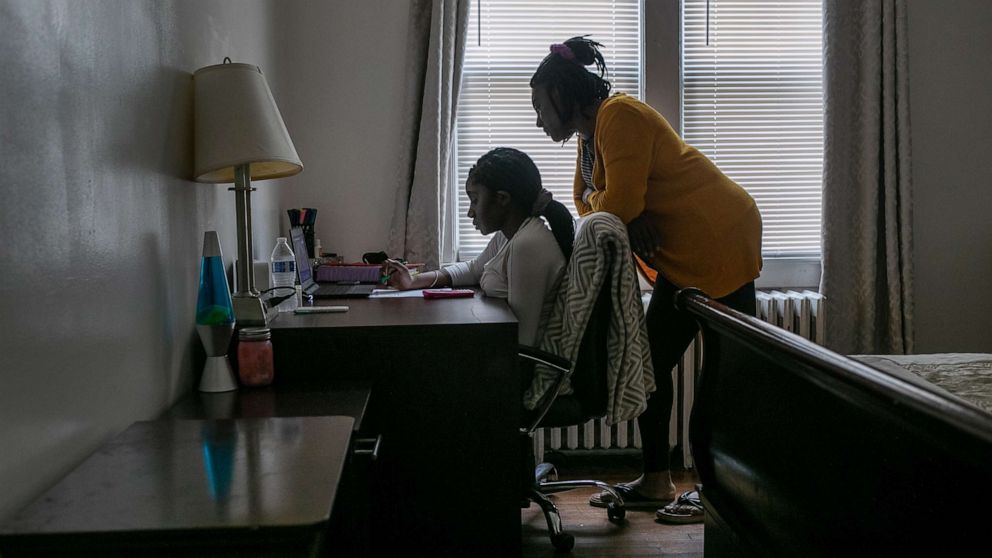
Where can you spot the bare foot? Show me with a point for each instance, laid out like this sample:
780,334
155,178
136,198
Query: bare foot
649,491
657,485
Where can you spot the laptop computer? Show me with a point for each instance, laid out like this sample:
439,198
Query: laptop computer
322,290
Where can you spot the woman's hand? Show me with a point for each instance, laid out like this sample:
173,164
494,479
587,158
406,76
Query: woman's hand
397,275
585,195
644,237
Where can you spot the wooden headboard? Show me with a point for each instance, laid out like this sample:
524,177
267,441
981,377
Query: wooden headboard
804,452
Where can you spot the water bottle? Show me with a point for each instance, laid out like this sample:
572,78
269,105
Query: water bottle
283,264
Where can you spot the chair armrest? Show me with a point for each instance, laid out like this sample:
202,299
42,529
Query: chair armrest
560,365
552,360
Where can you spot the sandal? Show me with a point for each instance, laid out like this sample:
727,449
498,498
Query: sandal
687,508
632,499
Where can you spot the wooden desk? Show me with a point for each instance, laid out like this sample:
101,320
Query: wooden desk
348,399
445,399
350,527
259,487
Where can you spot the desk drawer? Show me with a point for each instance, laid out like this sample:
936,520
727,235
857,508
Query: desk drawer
351,532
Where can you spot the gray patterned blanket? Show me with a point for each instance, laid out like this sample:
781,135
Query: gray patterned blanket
966,375
601,250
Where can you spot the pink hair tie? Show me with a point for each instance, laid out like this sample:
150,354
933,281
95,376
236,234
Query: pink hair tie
563,50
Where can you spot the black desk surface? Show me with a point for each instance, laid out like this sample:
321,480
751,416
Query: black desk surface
402,312
247,481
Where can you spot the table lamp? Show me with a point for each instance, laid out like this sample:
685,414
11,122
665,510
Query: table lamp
239,137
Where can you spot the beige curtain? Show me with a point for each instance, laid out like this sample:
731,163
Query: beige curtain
867,208
435,52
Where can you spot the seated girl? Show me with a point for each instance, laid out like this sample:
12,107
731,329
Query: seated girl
524,261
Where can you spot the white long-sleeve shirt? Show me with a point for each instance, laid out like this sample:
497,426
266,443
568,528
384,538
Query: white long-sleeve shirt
524,270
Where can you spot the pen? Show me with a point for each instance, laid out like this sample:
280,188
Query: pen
384,278
388,264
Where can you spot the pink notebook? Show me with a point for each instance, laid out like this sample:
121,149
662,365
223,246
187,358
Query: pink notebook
448,293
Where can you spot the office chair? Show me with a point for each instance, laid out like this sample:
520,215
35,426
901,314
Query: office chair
589,398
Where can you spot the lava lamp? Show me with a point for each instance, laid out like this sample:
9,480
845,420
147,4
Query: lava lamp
215,318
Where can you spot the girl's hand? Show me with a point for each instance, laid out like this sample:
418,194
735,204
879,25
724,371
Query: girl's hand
397,275
644,237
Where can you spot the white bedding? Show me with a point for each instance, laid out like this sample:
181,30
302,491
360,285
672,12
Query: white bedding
966,375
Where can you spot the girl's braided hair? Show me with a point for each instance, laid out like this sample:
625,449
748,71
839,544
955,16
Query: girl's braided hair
515,173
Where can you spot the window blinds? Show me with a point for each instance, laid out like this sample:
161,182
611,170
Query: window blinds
753,102
494,106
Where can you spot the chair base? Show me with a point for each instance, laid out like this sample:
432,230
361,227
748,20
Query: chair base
562,541
616,511
535,488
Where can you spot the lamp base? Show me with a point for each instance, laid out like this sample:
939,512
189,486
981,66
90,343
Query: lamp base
217,375
250,311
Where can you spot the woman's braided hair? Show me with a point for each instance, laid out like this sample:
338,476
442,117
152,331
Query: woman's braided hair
564,72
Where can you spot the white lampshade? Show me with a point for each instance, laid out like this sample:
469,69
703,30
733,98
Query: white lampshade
237,122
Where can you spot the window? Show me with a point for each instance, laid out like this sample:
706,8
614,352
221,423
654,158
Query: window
494,107
752,101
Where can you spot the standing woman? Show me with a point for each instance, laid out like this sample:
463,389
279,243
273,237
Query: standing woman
687,221
524,260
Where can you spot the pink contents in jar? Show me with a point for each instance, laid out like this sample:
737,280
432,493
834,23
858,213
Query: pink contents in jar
255,367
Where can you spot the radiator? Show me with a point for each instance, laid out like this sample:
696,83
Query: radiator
802,313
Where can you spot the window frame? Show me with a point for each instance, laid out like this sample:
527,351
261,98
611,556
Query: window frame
661,83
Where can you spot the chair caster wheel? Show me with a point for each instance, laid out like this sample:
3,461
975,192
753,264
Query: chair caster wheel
563,542
616,513
545,471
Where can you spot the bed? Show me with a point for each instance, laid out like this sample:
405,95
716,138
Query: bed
805,452
964,375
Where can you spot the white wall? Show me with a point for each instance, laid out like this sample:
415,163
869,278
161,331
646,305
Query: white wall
344,81
951,112
100,223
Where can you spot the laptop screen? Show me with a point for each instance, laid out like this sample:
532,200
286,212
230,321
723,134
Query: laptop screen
302,260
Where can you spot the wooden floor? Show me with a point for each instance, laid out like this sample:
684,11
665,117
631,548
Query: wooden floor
640,535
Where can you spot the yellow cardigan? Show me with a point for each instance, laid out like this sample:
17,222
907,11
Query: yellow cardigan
710,226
